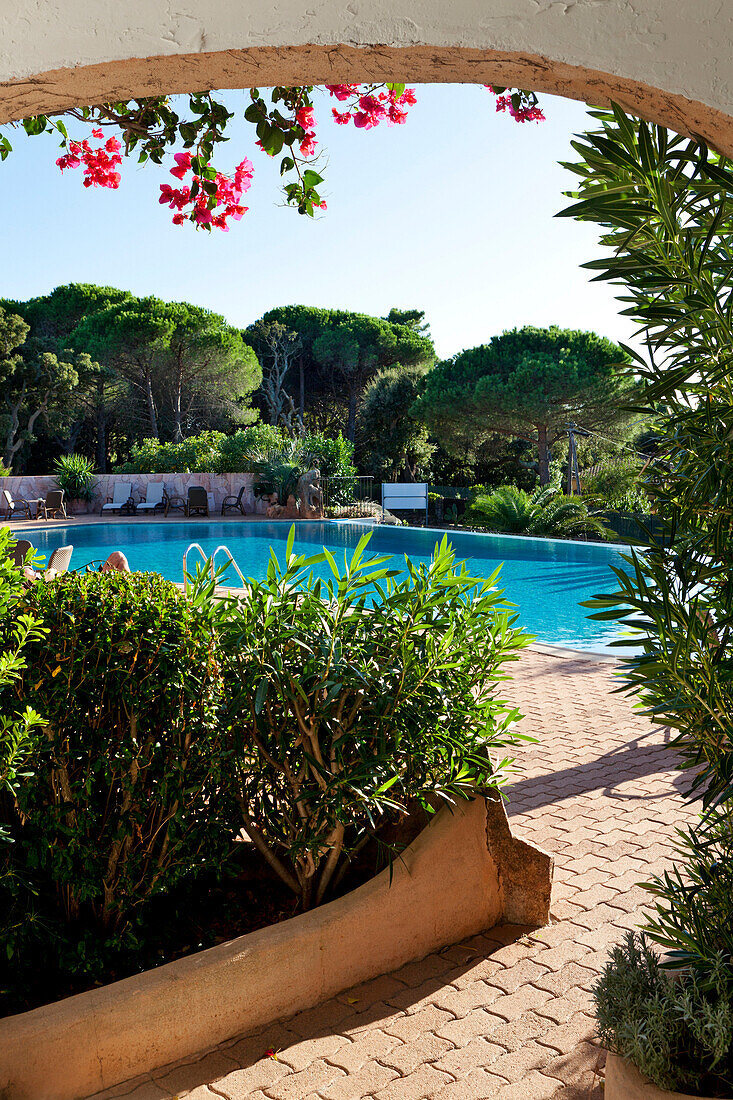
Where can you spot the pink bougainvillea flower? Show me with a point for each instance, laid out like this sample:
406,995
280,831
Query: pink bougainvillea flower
342,92
304,117
308,145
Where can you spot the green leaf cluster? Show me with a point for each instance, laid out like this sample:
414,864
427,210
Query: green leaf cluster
123,801
355,699
543,513
75,475
664,205
214,452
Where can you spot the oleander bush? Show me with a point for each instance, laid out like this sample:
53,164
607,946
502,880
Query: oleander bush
354,698
665,207
19,727
124,801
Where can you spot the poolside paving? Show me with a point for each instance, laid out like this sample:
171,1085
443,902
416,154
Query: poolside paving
506,1015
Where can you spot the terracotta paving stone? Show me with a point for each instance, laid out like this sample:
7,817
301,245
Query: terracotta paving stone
295,1086
372,1046
373,1078
427,1019
579,1028
506,1015
243,1082
478,1054
301,1053
423,1084
406,1058
515,1065
477,1085
187,1076
461,1032
463,1001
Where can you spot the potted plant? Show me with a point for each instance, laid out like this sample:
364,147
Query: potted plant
75,475
664,205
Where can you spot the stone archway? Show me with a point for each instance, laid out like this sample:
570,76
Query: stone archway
669,63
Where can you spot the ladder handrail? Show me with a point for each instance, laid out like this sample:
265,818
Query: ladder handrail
229,554
210,560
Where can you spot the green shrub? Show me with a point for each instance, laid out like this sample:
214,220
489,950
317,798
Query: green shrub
664,207
332,455
19,726
123,801
543,512
677,1033
198,454
214,452
345,711
234,450
75,475
617,488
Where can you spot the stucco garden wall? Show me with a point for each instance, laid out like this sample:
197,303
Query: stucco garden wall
464,873
218,485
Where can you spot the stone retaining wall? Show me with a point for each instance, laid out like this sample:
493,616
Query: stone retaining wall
217,485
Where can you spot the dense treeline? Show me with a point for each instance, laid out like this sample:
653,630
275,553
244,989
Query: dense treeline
101,372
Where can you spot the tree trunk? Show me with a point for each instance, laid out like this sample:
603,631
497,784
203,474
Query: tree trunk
152,416
12,444
544,454
351,425
301,403
101,441
178,398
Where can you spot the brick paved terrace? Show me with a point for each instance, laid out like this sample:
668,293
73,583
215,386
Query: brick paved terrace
506,1015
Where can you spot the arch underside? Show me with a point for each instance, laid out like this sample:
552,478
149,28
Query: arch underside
266,66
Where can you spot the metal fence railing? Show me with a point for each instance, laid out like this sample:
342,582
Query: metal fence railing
350,497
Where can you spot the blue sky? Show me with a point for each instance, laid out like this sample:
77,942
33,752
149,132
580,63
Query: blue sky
452,213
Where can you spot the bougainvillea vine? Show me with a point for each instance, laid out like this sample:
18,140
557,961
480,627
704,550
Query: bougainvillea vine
285,124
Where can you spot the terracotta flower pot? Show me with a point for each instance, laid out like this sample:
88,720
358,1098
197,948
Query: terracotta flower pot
624,1082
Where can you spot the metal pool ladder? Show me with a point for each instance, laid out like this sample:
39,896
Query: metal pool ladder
211,562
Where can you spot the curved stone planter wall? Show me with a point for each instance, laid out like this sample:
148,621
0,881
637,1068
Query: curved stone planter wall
624,1082
463,874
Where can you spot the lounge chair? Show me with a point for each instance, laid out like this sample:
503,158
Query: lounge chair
15,505
234,503
198,501
53,505
58,562
19,551
154,498
122,495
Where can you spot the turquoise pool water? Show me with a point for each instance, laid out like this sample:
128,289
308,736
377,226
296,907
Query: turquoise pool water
545,578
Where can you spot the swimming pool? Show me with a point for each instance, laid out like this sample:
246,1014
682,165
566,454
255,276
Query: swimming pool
545,578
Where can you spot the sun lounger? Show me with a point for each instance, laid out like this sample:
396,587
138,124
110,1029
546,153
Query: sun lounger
154,499
121,495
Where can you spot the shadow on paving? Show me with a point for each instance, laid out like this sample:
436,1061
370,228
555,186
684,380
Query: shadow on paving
631,760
